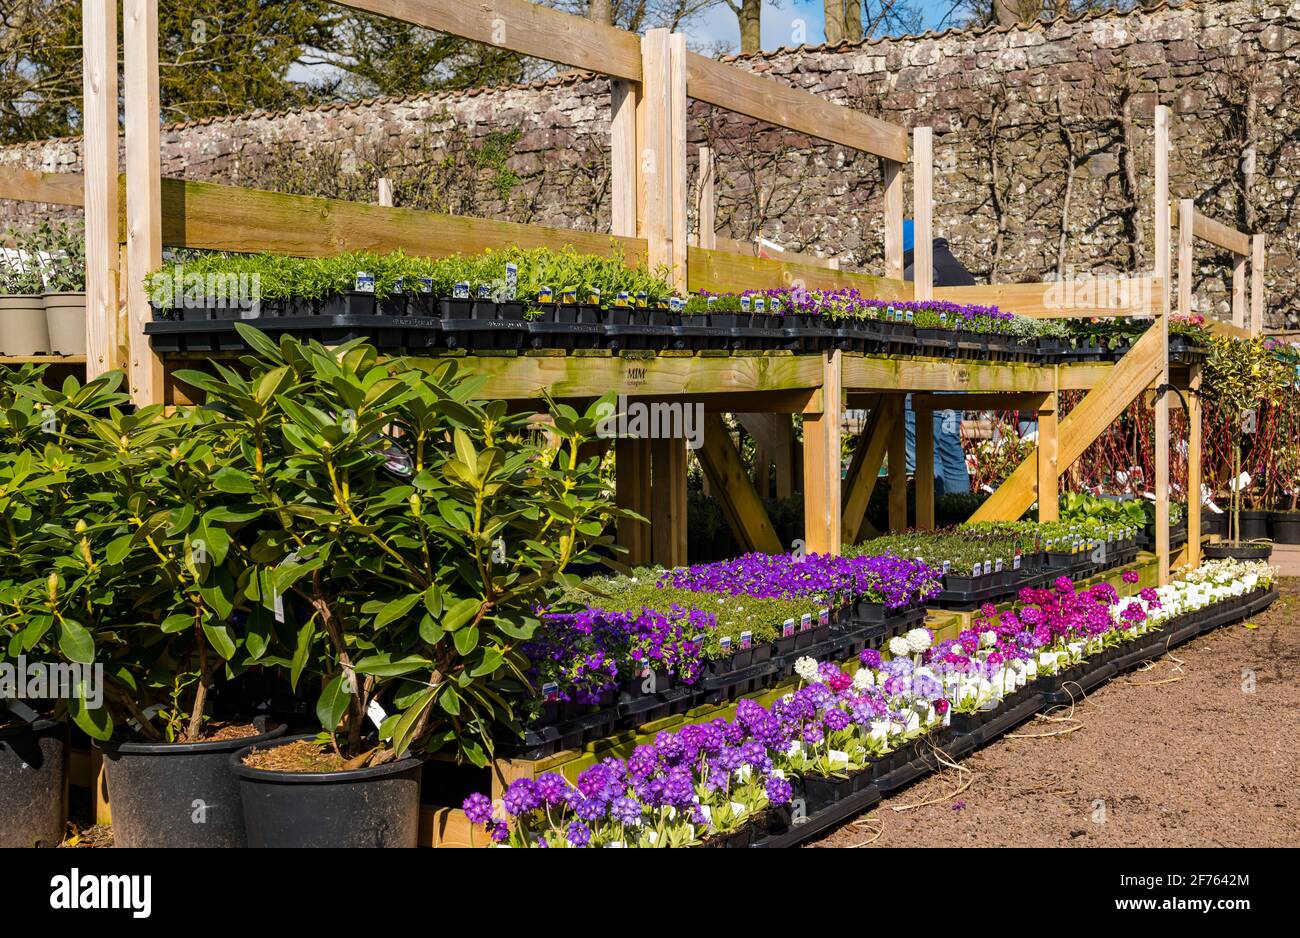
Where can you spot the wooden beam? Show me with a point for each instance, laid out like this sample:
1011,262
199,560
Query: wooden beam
1239,282
99,195
774,434
668,502
893,219
898,469
384,192
924,469
1186,247
766,99
1258,260
1081,427
733,490
623,156
1027,401
632,491
30,185
524,27
722,271
230,218
706,207
1194,470
872,373
864,470
1161,331
1088,297
923,211
1207,229
143,192
821,464
1048,456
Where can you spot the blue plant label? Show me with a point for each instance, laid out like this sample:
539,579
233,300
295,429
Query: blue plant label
484,292
776,307
909,315
544,295
760,304
947,567
823,617
988,567
805,622
461,290
512,280
943,319
725,644
426,284
744,304
978,568
550,691
593,296
365,282
621,299
997,565
642,299
746,640
398,286
787,628
1015,561
710,301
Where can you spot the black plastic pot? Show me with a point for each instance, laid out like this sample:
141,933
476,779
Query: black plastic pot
1212,523
1254,525
1284,527
1238,551
821,791
375,807
33,784
177,794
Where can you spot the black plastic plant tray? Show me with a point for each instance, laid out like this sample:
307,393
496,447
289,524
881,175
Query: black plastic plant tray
807,332
823,820
936,343
757,331
1018,712
1090,679
709,684
697,337
220,335
486,327
565,335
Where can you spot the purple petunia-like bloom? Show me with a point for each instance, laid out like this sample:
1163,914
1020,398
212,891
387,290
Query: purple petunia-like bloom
478,808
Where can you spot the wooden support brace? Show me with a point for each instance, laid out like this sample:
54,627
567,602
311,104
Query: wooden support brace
730,485
632,491
821,464
668,502
864,470
1048,452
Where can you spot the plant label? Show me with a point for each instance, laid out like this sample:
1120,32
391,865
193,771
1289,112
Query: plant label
621,300
593,296
744,303
375,713
512,280
710,301
805,622
787,628
569,296
484,293
997,565
947,567
550,691
544,295
724,643
398,287
642,299
824,617
978,569
1015,560
460,291
988,567
365,283
746,640
426,285
760,304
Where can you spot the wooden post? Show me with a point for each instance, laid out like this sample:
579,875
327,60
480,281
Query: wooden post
1186,242
1049,473
1257,262
1239,281
893,219
925,470
1194,472
668,502
624,96
923,211
898,468
680,194
1162,271
384,192
632,491
663,154
705,206
143,189
99,160
821,464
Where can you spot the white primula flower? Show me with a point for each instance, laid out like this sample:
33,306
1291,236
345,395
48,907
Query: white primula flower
863,679
806,668
899,647
918,640
988,639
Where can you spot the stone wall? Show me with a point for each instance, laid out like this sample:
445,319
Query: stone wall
1027,120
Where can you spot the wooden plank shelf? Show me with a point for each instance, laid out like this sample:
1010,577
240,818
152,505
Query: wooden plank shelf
42,359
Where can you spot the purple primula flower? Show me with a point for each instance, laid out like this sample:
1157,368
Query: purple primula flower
478,808
579,834
779,791
521,797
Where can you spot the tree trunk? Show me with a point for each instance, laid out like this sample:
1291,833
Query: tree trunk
1009,12
601,11
843,20
750,16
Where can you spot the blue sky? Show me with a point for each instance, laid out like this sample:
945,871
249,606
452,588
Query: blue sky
783,23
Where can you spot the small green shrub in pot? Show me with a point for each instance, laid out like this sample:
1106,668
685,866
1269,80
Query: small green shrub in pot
418,529
61,251
22,312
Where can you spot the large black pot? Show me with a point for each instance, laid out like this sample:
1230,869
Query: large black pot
177,794
1284,527
1254,525
1212,523
33,784
1223,551
375,807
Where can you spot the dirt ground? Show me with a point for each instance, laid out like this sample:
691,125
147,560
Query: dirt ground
1201,750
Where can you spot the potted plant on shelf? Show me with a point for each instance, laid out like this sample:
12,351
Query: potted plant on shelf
420,529
1284,519
1239,376
141,580
23,330
63,257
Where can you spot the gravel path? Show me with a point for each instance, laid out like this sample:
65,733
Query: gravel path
1204,759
